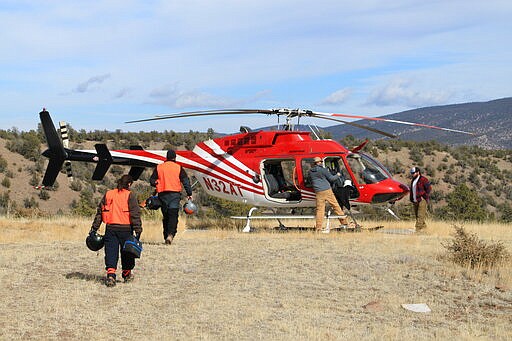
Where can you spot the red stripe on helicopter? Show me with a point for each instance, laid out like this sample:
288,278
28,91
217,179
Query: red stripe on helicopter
227,160
210,169
212,175
224,165
143,153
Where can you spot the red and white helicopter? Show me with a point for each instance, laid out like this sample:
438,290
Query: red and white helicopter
258,168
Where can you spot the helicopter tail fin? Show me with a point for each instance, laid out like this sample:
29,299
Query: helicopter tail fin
55,152
105,160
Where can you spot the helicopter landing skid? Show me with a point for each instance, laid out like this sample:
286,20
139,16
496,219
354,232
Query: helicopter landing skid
282,227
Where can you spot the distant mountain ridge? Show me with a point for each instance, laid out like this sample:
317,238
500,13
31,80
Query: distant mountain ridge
491,122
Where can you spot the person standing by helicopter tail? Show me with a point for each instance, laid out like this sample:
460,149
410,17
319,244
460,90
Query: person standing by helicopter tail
120,211
168,178
419,196
321,179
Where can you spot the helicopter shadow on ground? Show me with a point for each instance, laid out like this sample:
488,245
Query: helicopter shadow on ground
85,277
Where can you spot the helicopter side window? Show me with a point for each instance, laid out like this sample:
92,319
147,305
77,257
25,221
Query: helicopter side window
365,169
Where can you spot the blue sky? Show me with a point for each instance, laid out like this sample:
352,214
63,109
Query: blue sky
96,64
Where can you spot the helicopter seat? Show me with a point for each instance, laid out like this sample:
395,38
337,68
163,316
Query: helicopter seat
280,190
273,188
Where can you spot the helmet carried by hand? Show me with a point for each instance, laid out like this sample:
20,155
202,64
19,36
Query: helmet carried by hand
94,241
190,208
153,202
133,246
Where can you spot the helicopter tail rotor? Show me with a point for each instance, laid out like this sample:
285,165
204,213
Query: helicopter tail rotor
65,142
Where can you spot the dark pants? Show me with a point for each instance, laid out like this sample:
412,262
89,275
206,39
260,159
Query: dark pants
170,208
114,241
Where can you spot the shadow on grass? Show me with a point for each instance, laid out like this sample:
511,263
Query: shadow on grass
85,277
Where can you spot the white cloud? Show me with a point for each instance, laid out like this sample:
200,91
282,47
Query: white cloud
175,97
337,97
90,83
123,93
403,92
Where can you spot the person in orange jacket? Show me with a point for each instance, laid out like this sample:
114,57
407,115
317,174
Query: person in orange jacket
170,178
120,211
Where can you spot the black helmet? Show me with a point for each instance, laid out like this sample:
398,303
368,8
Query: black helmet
94,241
190,208
153,202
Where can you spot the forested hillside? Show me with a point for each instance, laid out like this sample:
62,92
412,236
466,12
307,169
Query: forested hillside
469,182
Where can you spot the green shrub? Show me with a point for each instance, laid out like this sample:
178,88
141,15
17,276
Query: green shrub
6,182
4,199
44,195
30,203
506,213
3,164
464,204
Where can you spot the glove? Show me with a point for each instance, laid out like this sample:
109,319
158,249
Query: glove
137,236
93,231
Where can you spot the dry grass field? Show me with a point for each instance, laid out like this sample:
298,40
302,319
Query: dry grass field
223,284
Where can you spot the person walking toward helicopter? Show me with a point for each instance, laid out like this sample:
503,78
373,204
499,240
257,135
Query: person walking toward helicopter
321,180
419,196
170,178
120,211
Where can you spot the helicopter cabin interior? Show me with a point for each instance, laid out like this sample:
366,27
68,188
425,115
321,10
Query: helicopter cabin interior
279,179
283,182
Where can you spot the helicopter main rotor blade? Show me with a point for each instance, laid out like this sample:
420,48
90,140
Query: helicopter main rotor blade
221,112
358,126
205,113
290,113
394,121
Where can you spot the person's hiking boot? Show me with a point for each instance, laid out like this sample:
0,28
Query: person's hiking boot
168,240
110,281
128,276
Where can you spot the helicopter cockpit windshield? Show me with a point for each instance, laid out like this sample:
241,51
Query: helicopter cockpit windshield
366,170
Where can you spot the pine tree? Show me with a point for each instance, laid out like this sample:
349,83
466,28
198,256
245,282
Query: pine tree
465,204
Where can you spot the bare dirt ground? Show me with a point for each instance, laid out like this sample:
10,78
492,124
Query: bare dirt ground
221,284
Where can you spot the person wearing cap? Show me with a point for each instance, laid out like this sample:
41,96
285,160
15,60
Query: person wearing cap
321,180
419,196
170,178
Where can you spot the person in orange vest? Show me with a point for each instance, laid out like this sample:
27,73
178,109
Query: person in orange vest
170,178
120,211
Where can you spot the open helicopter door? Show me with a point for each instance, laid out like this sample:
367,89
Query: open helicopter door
278,180
334,164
